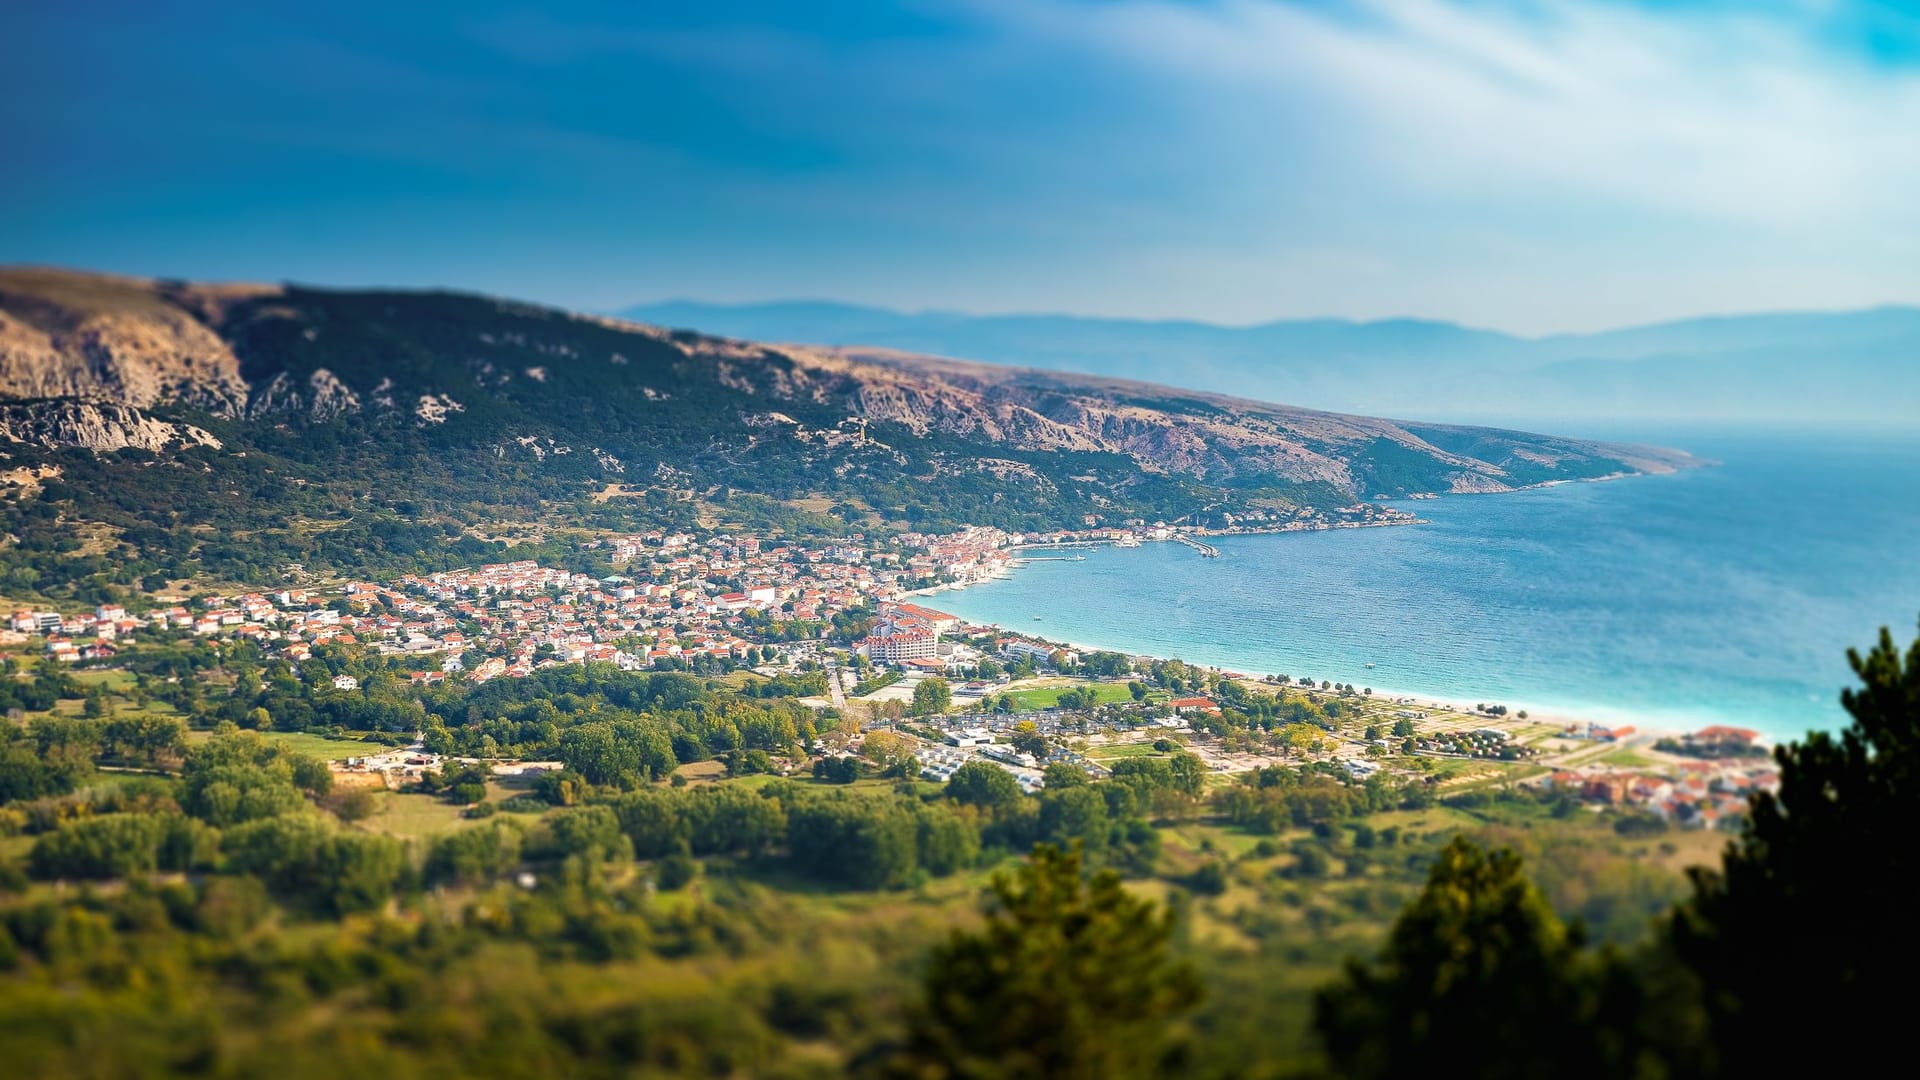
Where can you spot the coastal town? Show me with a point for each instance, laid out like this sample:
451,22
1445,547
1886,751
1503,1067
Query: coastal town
857,610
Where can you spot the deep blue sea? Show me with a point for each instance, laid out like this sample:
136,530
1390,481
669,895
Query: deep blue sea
1727,594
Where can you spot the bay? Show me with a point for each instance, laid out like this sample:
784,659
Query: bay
1726,594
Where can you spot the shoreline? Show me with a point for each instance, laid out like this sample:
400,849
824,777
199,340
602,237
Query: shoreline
1646,728
1644,731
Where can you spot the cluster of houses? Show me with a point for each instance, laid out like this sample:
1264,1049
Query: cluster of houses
1695,795
678,598
288,616
72,638
1718,741
970,555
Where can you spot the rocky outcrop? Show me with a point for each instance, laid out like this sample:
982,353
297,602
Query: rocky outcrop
97,426
321,398
113,340
435,408
1473,483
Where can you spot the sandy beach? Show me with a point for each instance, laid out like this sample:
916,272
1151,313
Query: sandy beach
1645,731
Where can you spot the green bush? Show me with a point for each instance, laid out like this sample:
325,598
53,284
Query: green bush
1210,879
837,770
675,871
116,845
473,855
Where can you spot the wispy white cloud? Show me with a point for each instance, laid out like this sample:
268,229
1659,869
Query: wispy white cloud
1528,165
1713,113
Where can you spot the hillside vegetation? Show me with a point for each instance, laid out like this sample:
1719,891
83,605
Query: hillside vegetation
160,431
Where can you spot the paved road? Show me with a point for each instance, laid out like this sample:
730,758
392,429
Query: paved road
834,690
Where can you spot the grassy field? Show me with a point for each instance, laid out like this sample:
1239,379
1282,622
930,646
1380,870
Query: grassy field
1504,774
319,746
324,748
1117,751
119,706
15,847
866,786
1626,759
1448,768
411,816
1046,697
115,681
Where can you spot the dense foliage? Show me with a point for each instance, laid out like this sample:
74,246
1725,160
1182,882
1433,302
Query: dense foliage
1069,978
1805,923
179,893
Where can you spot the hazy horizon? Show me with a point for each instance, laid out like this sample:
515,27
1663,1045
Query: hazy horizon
1389,319
942,311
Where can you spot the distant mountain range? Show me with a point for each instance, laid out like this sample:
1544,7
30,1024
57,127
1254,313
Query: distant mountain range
1860,366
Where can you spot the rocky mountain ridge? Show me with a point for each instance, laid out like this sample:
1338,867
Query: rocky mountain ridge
107,363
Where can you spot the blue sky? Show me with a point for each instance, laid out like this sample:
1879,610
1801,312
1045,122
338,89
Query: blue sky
1528,166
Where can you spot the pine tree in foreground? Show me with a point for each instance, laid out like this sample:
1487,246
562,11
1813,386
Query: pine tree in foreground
1070,977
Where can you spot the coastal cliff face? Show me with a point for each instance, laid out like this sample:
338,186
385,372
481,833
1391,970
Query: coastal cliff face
107,363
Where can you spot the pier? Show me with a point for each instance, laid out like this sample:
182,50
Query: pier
1206,550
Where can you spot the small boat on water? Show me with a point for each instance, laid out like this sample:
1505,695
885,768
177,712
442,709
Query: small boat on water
1369,663
1037,618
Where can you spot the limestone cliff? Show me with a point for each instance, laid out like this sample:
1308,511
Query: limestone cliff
97,426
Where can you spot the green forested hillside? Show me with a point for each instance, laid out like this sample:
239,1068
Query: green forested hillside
177,898
380,431
178,894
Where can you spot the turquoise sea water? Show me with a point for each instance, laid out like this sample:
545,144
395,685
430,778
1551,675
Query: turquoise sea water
1720,595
